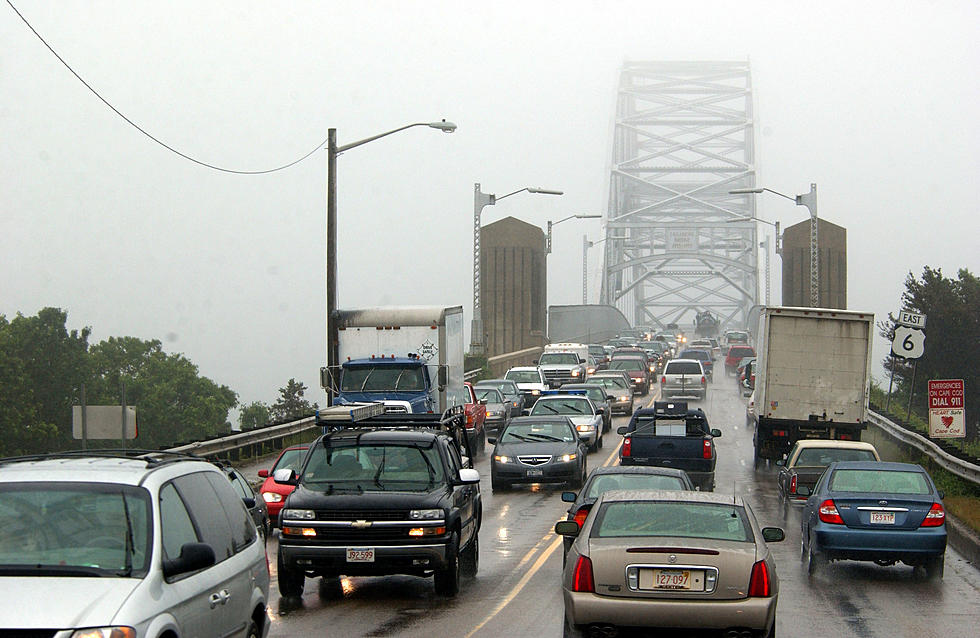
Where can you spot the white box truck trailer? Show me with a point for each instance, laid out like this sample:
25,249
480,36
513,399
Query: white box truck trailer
812,376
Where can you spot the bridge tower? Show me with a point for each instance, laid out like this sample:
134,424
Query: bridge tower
675,244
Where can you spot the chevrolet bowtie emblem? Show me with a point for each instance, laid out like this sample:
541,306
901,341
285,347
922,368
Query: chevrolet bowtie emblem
360,524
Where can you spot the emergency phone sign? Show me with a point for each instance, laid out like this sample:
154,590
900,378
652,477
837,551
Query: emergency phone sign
946,408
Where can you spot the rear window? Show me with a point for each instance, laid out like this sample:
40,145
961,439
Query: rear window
823,457
606,482
883,481
739,352
683,367
685,520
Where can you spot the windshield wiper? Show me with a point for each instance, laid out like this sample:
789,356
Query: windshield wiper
546,437
381,466
518,436
51,570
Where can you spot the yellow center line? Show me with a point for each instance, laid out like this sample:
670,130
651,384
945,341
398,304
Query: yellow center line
545,555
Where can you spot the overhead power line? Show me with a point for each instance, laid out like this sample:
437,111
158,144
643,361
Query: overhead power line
144,131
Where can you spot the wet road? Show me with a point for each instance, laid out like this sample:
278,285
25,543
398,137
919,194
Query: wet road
517,591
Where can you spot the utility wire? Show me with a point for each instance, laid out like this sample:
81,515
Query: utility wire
142,130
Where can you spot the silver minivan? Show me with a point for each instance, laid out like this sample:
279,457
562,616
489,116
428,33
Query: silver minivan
128,545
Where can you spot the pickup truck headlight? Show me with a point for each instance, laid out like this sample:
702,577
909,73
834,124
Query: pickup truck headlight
425,515
272,497
624,398
535,392
501,459
575,373
299,515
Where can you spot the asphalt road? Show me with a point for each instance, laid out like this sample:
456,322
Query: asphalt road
517,591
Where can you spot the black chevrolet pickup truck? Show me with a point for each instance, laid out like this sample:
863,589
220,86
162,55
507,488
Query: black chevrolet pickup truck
671,435
382,494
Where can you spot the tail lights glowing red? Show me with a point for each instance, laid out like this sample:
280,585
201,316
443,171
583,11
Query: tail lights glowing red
582,580
703,381
792,485
582,514
828,513
662,380
706,450
935,517
760,585
627,446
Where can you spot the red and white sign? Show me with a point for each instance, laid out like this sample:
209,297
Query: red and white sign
946,409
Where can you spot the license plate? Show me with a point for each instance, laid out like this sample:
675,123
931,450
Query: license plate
681,579
883,518
360,554
535,472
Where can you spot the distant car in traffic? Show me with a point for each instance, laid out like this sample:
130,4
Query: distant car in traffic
531,382
538,450
509,389
617,386
637,369
579,408
669,560
498,409
683,378
872,511
702,355
808,459
274,494
735,355
599,396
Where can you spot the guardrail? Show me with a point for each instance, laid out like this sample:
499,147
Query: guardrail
243,440
959,467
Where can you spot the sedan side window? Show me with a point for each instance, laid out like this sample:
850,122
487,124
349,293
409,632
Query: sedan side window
176,526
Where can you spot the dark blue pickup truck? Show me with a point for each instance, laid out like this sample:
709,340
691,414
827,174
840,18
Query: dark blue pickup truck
671,435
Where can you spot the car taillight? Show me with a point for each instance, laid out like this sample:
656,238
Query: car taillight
792,485
828,513
627,446
845,437
582,514
703,380
935,517
706,451
582,580
663,379
759,584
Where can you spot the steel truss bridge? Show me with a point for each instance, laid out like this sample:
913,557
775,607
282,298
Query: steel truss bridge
675,244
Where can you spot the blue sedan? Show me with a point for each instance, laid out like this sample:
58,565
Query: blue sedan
873,511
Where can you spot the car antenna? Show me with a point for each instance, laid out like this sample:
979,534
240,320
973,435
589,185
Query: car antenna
734,502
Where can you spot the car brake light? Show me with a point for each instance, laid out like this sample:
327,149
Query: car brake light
707,448
582,580
845,437
703,380
582,514
792,485
663,379
828,513
935,517
627,446
759,583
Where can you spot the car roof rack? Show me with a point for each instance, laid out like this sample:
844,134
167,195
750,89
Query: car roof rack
152,458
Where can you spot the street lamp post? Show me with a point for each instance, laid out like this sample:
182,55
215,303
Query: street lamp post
547,241
764,245
481,199
332,152
810,201
586,244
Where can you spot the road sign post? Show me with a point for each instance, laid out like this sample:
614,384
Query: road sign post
947,419
908,343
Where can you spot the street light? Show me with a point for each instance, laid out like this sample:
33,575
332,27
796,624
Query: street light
332,152
481,199
810,201
547,241
586,244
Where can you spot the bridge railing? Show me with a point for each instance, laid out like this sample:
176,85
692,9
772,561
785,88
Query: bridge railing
961,468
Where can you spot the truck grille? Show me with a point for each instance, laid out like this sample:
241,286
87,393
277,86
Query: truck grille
362,515
362,535
534,459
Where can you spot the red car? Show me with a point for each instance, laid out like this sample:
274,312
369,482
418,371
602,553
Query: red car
735,355
476,416
274,494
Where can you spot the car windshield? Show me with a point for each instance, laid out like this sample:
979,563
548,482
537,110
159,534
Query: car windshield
822,457
626,364
504,387
290,460
562,405
606,482
373,467
879,481
490,395
594,393
524,376
683,367
76,529
610,382
685,520
552,358
382,378
526,432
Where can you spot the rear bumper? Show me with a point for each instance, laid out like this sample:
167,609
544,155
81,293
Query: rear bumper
839,542
749,613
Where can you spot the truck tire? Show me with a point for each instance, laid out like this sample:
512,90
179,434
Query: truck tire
469,560
291,580
446,580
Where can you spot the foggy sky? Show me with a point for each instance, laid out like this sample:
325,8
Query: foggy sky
875,102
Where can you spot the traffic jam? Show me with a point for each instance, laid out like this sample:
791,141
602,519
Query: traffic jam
608,489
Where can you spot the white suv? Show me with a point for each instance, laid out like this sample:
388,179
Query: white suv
130,545
683,378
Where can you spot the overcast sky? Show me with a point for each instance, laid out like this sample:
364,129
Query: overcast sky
876,102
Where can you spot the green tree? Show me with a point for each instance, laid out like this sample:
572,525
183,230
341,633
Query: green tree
174,403
291,404
254,415
42,370
952,346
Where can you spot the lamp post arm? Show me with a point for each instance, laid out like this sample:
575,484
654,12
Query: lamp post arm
347,147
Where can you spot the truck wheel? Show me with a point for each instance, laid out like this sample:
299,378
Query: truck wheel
291,580
470,558
446,580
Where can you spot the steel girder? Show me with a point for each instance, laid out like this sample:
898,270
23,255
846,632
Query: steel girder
683,138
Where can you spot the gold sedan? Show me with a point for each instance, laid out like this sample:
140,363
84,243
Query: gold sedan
692,560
